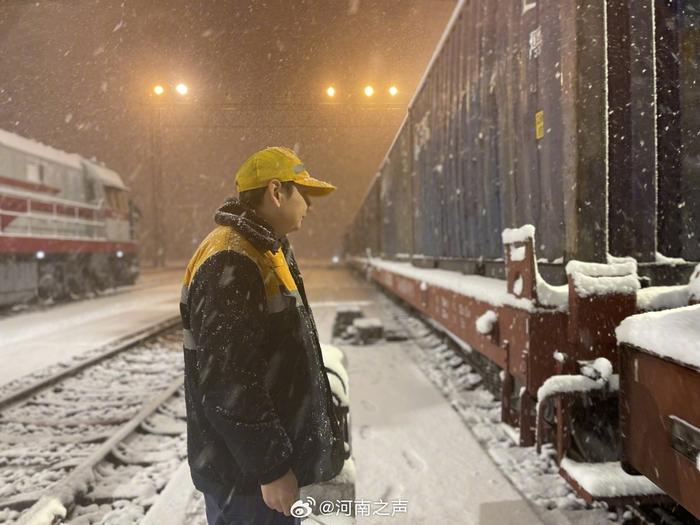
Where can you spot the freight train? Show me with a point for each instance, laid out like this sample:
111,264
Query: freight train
541,203
67,226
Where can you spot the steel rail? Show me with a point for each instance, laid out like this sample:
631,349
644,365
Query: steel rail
114,348
79,480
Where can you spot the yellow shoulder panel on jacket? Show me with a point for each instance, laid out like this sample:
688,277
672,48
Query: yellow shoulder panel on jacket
219,239
273,268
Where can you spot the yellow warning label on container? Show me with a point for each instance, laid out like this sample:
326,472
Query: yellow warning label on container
539,125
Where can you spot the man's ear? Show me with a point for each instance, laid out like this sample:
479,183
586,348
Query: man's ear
274,190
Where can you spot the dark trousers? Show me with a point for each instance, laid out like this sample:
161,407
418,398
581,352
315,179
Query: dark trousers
244,510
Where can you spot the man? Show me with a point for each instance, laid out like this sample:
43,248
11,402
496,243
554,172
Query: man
260,416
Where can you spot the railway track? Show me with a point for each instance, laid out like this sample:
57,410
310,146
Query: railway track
97,439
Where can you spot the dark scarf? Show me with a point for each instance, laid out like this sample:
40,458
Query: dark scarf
245,221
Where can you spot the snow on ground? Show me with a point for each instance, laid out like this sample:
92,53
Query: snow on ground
409,443
34,340
45,438
174,500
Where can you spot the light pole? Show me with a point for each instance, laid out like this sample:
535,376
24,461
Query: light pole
158,100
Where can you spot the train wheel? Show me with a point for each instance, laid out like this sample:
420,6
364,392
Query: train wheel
595,431
109,282
47,289
75,287
100,283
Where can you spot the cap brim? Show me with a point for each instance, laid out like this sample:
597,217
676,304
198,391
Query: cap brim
315,187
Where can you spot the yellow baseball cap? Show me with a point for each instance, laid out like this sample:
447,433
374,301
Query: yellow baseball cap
278,163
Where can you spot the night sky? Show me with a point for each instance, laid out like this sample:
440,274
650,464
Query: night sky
76,74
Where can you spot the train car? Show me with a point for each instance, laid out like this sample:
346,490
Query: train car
67,226
577,119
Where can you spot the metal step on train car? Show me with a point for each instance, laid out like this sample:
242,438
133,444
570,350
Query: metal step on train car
67,225
578,119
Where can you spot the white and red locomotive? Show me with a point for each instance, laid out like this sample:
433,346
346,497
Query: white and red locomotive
67,226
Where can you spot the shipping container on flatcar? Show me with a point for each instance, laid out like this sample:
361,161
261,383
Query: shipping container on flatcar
67,226
396,195
365,235
526,116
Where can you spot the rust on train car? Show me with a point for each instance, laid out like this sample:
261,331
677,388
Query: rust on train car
660,424
458,314
404,287
592,320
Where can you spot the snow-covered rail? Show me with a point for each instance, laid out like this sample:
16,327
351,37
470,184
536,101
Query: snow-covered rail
25,387
128,481
101,437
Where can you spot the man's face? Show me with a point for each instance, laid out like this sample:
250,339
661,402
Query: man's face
293,209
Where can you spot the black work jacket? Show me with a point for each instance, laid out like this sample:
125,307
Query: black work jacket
257,395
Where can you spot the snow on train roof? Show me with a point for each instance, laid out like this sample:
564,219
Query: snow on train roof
32,147
674,334
107,176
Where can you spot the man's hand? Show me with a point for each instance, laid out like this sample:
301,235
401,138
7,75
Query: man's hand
281,494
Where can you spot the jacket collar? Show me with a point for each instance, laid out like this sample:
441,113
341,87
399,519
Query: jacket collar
245,221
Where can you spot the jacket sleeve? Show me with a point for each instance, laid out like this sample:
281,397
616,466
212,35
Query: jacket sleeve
229,322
